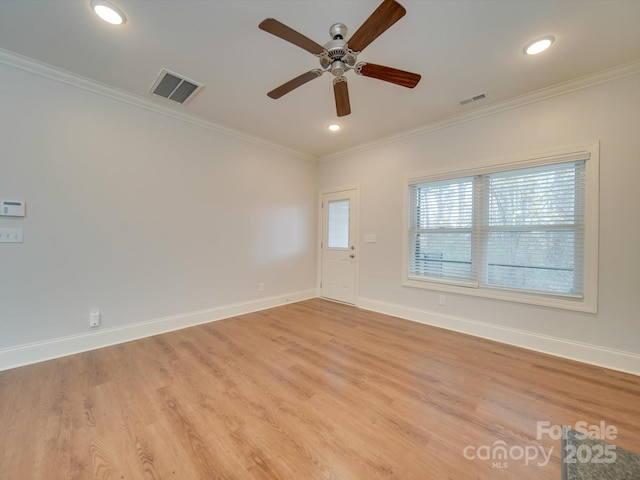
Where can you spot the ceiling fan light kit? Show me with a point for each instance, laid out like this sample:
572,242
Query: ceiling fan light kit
338,56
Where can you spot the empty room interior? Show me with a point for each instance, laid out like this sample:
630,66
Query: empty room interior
234,247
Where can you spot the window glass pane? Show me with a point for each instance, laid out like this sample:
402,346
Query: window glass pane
442,255
535,232
338,224
445,204
442,214
536,260
535,196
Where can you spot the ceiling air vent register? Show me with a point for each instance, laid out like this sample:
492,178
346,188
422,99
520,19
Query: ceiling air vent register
174,87
475,98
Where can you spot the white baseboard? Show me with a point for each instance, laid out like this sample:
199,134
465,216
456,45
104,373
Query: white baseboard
627,362
59,347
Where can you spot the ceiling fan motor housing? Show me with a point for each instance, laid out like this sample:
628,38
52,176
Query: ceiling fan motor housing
336,50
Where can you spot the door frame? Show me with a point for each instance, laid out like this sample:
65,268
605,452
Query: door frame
355,188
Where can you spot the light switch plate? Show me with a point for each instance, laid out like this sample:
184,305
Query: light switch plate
10,235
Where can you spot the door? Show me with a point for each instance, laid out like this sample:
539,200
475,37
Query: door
338,280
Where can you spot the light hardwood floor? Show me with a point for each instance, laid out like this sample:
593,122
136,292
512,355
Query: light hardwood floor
313,390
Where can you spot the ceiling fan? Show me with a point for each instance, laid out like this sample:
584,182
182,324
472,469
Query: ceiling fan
338,56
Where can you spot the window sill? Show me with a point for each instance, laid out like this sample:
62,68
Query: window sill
578,304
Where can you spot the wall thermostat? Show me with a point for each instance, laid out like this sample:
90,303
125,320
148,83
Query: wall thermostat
12,208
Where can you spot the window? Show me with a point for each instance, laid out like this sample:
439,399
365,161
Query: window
338,224
514,232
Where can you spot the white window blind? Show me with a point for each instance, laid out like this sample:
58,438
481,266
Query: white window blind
338,224
534,229
517,230
442,229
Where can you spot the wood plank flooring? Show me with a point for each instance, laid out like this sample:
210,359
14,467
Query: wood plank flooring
312,390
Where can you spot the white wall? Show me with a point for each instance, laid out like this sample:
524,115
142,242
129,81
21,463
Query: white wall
149,217
608,112
164,223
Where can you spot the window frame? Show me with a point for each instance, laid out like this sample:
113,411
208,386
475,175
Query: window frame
587,302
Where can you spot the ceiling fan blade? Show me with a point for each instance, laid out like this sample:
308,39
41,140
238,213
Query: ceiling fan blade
295,83
279,29
388,74
341,92
387,13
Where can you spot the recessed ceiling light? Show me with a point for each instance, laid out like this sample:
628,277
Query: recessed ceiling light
334,127
108,12
539,45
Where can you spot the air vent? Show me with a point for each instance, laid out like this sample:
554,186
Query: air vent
174,87
475,98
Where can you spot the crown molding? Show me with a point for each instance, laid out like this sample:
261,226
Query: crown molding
27,64
20,62
604,76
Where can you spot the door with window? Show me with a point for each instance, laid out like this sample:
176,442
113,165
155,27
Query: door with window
339,212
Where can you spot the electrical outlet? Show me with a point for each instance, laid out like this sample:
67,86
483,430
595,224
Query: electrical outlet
261,287
442,300
94,317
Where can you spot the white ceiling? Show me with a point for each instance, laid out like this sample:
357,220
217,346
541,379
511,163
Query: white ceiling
460,47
